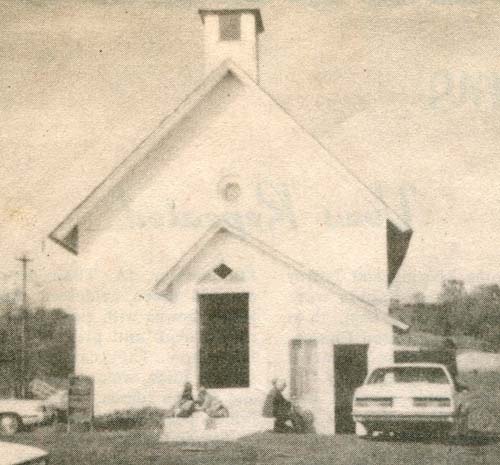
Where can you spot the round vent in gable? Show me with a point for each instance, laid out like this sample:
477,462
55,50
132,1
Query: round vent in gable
229,189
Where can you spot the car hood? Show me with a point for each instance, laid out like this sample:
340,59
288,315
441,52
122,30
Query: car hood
404,390
21,406
21,402
12,454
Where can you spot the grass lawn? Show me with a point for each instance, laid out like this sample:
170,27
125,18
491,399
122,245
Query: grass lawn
142,447
137,447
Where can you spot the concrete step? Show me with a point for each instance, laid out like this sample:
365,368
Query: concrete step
200,428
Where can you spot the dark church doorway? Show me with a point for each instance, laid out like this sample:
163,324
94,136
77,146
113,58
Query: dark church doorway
224,340
350,369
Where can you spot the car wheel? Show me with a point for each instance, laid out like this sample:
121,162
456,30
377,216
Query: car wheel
9,424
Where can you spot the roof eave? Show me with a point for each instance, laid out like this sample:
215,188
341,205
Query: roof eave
137,155
53,236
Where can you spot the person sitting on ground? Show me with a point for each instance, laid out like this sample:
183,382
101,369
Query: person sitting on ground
282,410
210,404
185,406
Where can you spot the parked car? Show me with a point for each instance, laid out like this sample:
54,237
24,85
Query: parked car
18,413
19,454
410,396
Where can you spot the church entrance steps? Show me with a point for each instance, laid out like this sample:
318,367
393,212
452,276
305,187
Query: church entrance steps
200,428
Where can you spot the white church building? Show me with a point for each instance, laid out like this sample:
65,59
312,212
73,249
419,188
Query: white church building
229,248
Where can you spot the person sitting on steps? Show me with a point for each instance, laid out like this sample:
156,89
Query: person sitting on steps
185,406
210,404
282,410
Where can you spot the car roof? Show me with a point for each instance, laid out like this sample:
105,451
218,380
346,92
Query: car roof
13,454
411,364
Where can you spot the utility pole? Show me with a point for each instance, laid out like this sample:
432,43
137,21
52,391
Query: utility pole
24,309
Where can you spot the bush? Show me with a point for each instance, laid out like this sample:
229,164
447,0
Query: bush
147,417
484,400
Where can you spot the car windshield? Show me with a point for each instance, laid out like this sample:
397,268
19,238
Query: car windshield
390,375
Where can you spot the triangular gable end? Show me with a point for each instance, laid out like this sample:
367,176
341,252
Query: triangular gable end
163,286
62,233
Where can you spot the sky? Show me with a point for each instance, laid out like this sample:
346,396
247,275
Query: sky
405,93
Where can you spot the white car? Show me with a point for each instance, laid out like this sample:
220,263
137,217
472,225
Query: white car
409,396
18,413
19,454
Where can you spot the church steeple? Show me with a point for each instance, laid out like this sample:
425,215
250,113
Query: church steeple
232,34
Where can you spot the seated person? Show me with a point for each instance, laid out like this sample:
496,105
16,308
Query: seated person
210,404
185,406
276,406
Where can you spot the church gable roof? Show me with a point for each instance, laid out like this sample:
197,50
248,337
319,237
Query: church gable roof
163,286
64,233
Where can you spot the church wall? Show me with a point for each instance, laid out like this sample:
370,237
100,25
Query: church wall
142,347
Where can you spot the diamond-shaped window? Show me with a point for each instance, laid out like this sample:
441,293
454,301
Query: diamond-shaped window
223,271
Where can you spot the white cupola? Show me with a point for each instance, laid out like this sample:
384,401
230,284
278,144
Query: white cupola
232,34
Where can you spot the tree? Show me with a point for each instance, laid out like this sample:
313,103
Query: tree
452,290
418,298
457,312
49,343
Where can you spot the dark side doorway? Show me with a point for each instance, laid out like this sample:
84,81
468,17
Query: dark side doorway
224,340
350,365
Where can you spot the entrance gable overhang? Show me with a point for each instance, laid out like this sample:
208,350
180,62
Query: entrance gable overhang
64,234
163,286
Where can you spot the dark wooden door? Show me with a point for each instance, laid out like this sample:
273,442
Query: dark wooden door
224,340
350,370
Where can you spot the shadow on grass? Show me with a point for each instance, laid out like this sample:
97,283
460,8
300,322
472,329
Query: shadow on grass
475,438
471,439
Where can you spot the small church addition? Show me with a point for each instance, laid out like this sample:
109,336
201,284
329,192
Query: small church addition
230,248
